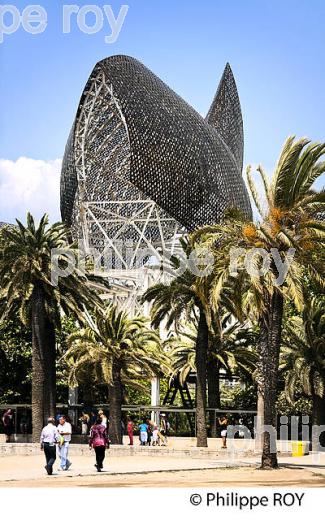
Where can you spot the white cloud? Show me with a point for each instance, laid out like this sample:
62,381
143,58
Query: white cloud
29,185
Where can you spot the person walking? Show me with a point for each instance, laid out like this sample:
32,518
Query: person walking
8,421
99,441
164,428
223,422
154,430
149,432
130,430
84,421
49,438
64,429
143,431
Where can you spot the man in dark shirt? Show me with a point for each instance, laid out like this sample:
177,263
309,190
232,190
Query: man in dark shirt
7,420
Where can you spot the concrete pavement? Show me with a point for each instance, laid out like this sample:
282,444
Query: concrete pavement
28,468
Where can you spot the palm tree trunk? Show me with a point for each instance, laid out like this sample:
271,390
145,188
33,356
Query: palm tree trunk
260,380
213,392
43,364
270,352
201,377
259,417
115,406
50,365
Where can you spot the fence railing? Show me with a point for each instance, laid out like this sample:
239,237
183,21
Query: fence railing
23,412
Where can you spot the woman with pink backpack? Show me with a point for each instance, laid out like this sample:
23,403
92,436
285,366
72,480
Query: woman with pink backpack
99,440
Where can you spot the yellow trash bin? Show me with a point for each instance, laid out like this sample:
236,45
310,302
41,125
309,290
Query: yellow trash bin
298,448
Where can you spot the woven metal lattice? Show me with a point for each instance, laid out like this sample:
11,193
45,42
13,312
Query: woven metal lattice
134,139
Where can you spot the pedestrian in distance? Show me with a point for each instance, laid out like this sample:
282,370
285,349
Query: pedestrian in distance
49,437
154,431
223,422
99,441
103,418
64,429
84,421
8,421
130,427
143,432
164,428
149,432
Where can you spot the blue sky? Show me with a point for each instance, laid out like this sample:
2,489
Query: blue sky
275,48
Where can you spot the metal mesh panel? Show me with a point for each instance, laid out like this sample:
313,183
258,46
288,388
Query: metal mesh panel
134,139
225,115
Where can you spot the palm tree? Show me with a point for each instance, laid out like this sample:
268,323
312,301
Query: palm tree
302,359
116,350
25,284
290,229
176,301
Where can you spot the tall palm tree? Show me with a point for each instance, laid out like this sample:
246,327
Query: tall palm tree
25,284
116,350
290,224
174,302
302,359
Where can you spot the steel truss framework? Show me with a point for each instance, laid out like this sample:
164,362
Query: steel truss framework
141,167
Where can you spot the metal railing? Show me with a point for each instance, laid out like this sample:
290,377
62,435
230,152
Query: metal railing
133,409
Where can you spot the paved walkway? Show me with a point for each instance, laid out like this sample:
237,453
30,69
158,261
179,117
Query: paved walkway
28,470
25,468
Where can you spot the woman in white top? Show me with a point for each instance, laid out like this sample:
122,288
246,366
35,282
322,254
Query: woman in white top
103,418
